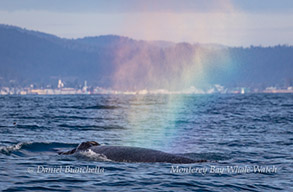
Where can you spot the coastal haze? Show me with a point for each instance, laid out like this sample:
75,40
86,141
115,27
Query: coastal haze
124,64
146,46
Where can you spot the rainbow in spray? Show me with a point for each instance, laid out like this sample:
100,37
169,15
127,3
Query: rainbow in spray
176,68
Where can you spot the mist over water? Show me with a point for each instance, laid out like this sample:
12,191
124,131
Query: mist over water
227,130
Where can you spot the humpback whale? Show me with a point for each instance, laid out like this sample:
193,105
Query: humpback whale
131,154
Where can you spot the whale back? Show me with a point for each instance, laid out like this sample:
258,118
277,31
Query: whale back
131,154
137,154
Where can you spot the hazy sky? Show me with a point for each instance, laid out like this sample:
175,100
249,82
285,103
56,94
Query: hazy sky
228,22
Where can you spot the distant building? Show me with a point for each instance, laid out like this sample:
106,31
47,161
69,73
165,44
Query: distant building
60,84
84,89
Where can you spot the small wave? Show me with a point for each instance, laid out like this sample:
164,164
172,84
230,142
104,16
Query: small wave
207,156
93,127
101,107
9,149
92,107
286,105
66,117
31,127
34,147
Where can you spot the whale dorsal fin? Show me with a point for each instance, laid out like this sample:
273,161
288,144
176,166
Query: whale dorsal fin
81,147
85,145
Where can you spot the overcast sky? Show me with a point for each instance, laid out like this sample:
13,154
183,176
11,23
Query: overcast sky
227,22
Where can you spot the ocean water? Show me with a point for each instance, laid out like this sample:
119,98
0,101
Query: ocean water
247,141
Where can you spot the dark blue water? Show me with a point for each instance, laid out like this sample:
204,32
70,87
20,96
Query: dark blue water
253,132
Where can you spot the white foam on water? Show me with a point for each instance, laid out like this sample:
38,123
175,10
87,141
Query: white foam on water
9,149
90,154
